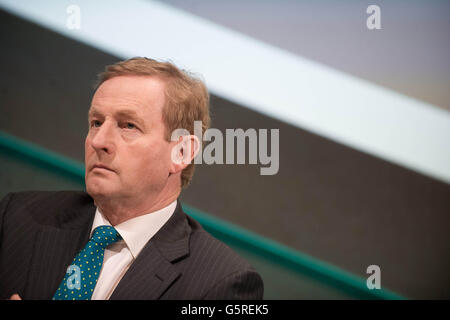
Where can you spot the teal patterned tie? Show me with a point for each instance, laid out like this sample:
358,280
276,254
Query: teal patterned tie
81,277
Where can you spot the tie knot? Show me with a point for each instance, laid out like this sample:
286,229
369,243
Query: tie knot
105,235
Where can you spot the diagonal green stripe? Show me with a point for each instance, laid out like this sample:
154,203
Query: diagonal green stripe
41,155
228,232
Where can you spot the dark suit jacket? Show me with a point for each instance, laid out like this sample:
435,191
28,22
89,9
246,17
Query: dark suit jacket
42,231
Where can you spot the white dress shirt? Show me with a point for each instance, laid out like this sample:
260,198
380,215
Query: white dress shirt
119,256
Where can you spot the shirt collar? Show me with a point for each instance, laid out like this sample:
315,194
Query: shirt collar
136,232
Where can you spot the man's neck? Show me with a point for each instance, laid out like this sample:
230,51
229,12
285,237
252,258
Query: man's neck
121,210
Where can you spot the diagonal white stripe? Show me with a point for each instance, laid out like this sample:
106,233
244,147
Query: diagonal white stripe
306,94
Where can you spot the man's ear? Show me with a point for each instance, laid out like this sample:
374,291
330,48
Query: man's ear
184,152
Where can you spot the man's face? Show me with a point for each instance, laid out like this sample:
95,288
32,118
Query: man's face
127,135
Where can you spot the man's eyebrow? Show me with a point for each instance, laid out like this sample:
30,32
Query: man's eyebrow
126,113
121,113
93,113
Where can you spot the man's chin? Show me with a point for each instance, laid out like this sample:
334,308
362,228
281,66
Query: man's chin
98,191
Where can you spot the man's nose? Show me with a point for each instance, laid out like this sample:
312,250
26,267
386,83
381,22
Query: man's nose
103,139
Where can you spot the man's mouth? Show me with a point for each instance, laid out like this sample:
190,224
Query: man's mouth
101,166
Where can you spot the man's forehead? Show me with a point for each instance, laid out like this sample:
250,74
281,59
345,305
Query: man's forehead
129,95
125,85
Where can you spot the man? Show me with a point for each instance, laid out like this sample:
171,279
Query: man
127,237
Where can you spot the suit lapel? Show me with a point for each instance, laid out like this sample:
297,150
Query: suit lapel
153,272
148,277
55,246
54,251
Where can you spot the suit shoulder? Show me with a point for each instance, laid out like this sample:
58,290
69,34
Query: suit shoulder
41,205
212,251
26,198
213,270
39,194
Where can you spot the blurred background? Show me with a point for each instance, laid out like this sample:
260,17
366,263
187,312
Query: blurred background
363,119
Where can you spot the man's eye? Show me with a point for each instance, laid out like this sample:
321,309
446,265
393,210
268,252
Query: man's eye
130,125
95,123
